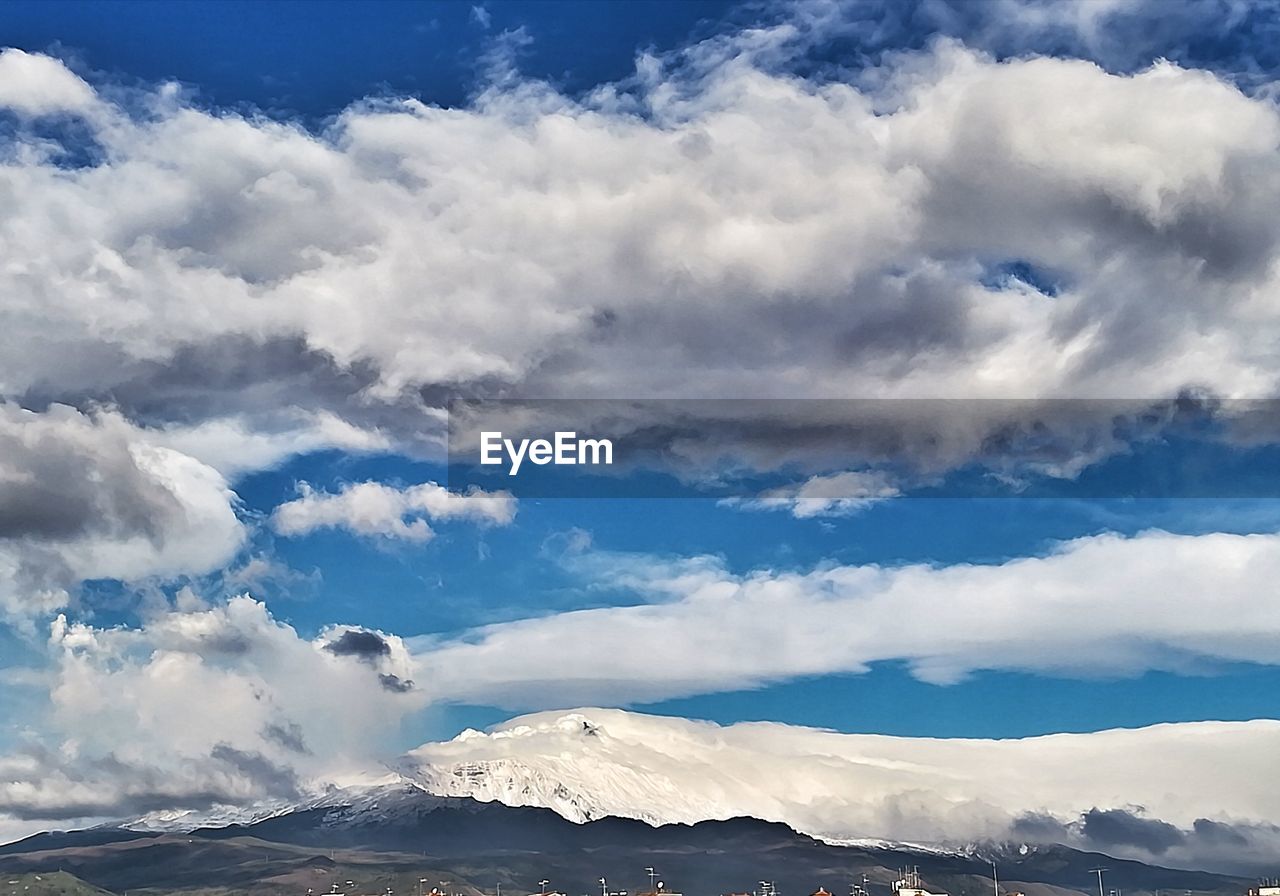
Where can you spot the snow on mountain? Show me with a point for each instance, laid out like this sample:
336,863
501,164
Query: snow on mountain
591,763
364,796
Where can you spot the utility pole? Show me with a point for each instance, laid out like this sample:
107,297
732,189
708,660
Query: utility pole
995,876
1098,871
652,876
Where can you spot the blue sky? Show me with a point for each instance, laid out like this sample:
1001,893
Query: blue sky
257,248
464,579
313,59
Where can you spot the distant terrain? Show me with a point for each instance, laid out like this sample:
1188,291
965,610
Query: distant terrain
409,839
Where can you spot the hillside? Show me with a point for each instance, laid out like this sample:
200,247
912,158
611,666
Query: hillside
407,836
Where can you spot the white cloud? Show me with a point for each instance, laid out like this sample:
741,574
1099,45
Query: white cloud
376,510
276,716
35,85
836,494
234,445
716,223
658,234
593,762
1096,606
674,211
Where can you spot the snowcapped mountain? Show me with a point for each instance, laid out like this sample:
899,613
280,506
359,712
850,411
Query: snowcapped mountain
592,763
1205,790
370,800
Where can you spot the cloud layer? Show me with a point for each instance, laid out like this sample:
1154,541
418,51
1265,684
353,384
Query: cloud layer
188,295
1097,606
246,288
671,208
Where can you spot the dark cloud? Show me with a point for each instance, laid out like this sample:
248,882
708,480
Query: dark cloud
1039,828
287,734
270,777
1246,849
973,447
395,683
63,475
1106,829
361,644
55,788
1217,833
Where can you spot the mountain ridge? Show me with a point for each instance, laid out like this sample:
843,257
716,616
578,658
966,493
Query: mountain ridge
402,831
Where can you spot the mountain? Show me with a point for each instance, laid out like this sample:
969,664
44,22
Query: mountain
1206,789
159,864
399,836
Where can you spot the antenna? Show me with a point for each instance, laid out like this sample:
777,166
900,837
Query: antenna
652,875
1098,871
995,876
604,887
543,884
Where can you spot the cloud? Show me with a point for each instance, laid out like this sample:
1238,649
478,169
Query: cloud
213,291
589,763
359,643
1110,829
663,205
1119,34
234,445
197,273
1097,606
88,496
1237,847
375,510
34,85
212,707
836,494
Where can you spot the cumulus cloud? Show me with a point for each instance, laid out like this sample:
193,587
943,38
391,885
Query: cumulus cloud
668,206
210,707
238,289
1096,606
35,85
377,510
88,496
198,274
594,762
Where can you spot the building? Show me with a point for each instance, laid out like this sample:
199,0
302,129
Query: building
911,885
660,890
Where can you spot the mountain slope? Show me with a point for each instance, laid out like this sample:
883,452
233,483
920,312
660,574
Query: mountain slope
399,836
593,763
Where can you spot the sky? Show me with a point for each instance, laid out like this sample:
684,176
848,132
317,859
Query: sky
938,341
